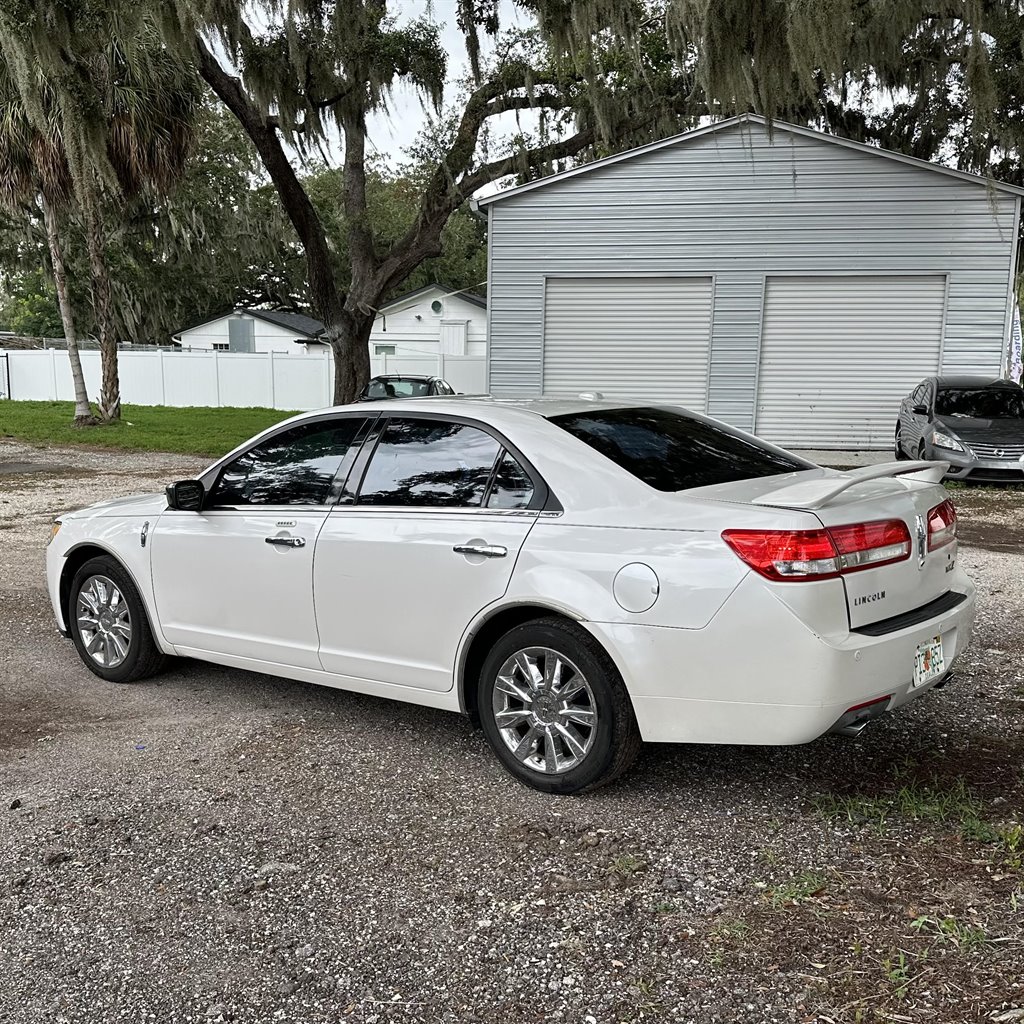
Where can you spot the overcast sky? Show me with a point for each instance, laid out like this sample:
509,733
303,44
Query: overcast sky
394,132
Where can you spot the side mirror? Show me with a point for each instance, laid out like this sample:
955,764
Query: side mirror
186,495
920,410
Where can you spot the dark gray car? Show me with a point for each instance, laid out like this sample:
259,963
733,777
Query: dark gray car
976,424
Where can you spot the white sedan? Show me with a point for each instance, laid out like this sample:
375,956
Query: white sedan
578,576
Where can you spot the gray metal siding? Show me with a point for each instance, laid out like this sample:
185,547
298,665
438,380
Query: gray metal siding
739,206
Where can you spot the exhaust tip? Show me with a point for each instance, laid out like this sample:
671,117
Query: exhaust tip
854,720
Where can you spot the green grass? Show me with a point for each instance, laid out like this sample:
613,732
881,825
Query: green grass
148,428
968,937
804,886
915,801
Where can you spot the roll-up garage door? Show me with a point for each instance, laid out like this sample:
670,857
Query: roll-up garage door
839,353
628,337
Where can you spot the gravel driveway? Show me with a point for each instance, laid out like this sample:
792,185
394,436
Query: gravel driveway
215,845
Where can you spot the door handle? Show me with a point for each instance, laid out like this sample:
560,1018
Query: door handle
487,550
286,542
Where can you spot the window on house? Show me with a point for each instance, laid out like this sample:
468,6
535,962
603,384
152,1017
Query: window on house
437,307
220,346
383,350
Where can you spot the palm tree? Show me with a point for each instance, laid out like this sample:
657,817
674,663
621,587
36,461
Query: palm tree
125,110
148,105
34,173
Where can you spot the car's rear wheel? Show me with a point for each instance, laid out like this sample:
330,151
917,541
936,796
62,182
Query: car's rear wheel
108,623
554,708
898,442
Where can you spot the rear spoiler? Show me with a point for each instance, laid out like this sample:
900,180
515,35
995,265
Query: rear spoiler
818,493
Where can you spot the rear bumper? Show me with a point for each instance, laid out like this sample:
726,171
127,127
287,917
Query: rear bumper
757,675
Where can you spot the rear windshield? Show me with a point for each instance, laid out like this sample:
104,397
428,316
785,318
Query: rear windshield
672,451
398,389
980,403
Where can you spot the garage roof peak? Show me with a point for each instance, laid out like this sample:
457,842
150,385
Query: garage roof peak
731,122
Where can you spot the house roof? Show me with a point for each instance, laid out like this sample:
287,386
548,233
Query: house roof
408,297
780,126
307,326
298,322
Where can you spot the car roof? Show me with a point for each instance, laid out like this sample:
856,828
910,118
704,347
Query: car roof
964,380
403,376
494,409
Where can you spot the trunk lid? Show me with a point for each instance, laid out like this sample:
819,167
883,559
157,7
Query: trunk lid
880,593
869,495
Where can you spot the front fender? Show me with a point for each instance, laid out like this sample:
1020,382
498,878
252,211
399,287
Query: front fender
122,539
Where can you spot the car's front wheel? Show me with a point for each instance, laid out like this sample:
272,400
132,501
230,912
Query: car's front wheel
108,623
554,708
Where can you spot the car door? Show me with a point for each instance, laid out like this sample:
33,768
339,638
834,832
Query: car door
405,562
236,578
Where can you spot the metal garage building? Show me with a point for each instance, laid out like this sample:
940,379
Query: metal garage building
790,282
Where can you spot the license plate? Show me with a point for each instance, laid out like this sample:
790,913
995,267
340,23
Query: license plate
929,662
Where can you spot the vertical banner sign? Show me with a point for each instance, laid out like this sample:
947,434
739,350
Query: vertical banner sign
1016,358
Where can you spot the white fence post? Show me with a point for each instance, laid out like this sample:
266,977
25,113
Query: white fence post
163,383
216,375
53,372
270,368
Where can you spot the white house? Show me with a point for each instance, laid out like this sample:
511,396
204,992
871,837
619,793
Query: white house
251,330
431,321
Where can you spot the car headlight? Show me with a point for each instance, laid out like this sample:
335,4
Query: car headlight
54,530
941,440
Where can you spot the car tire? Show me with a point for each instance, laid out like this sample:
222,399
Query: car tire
573,727
120,647
898,443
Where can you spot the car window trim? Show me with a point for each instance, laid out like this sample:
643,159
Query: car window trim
543,499
333,489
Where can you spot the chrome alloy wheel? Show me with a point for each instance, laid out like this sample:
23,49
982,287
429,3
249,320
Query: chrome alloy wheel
545,710
104,622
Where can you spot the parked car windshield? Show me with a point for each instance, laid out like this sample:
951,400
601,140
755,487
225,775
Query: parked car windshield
672,451
398,388
980,403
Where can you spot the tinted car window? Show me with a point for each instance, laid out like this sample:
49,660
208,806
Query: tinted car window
429,462
672,451
981,403
512,488
295,467
397,389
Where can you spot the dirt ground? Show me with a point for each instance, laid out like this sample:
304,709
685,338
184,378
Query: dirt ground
215,845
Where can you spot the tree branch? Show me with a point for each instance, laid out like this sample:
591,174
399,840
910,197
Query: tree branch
540,100
296,202
423,239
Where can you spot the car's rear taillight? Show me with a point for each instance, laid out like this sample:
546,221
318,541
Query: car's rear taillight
786,555
941,525
868,545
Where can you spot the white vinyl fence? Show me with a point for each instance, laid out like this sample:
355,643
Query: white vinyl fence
268,379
